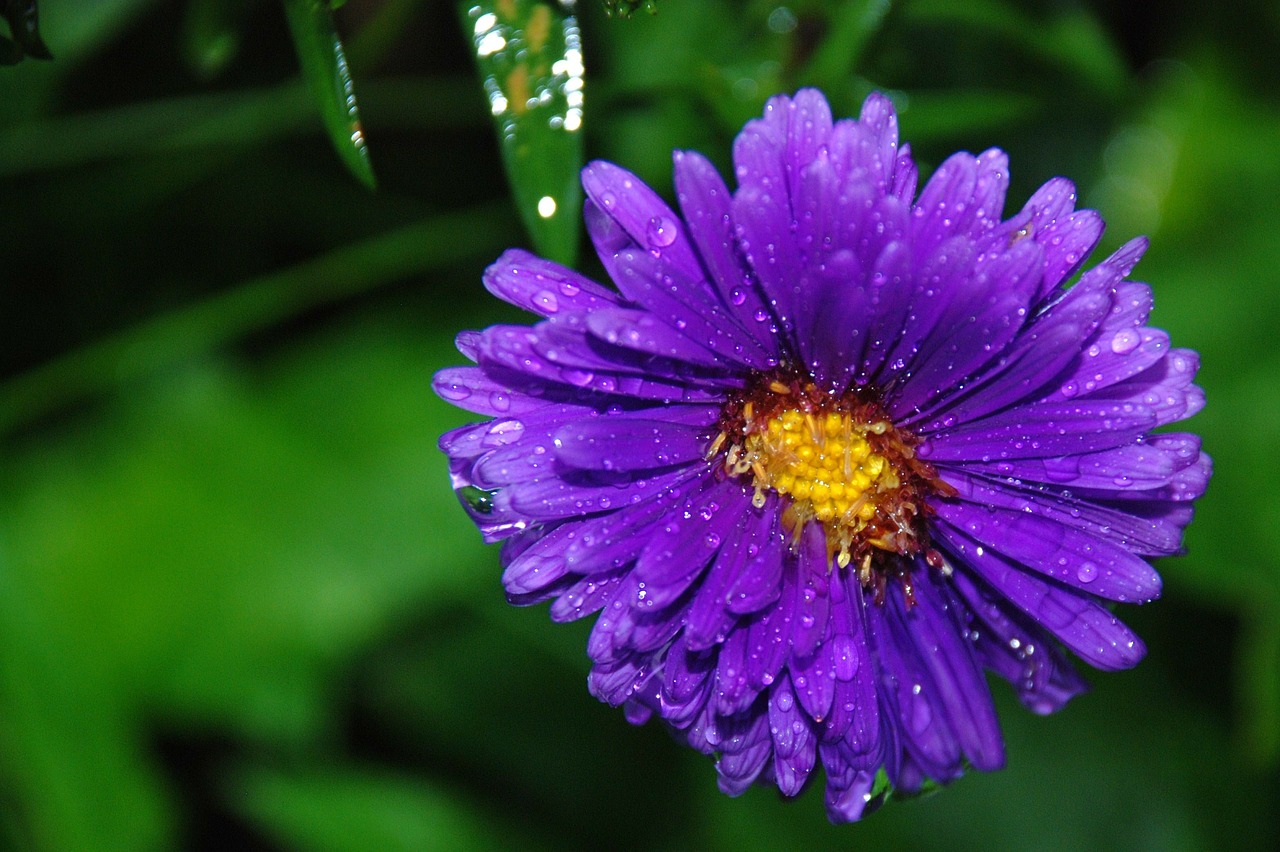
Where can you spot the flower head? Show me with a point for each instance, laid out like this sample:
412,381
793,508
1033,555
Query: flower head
830,450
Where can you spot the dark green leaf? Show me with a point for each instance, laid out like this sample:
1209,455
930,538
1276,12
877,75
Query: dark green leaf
324,65
346,810
530,60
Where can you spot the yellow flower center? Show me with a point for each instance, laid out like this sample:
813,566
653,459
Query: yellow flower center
837,461
824,462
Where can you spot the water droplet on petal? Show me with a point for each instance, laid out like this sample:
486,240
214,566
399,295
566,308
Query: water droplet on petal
455,391
661,232
1125,341
546,301
1087,572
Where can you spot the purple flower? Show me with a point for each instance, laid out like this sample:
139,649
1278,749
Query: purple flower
827,453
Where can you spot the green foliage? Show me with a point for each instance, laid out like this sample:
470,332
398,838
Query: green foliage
529,55
324,65
240,608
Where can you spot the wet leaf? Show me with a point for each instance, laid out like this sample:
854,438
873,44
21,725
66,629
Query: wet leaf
529,55
627,8
324,65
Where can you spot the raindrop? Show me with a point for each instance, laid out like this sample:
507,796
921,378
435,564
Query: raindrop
547,301
454,391
477,500
846,657
1087,572
1125,341
661,232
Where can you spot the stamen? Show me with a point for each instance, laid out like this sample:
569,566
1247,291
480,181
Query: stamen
837,461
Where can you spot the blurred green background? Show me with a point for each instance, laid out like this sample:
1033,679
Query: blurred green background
239,607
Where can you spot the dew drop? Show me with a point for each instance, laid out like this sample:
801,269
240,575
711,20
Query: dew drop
846,657
579,378
454,391
546,301
661,232
477,500
1087,572
1125,341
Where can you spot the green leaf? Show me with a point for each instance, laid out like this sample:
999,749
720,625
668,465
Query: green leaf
529,55
324,65
852,27
70,764
352,810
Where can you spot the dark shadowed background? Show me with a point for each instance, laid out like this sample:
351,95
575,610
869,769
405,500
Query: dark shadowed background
239,606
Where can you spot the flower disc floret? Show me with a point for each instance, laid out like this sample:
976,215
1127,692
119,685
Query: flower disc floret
836,460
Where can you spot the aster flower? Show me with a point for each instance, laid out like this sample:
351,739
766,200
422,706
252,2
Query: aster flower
827,453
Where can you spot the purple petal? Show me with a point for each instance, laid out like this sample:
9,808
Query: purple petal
758,580
910,703
641,331
709,620
1078,621
1043,429
734,689
1017,649
768,637
642,217
813,600
686,681
653,282
847,801
539,565
1138,534
973,328
516,348
794,740
551,499
855,717
937,628
612,541
543,287
687,542
745,749
1071,556
471,389
586,597
616,682
627,443
704,201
